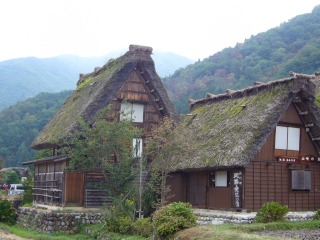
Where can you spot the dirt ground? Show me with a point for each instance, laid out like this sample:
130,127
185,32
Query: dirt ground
5,235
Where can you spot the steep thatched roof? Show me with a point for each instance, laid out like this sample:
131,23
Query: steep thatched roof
227,130
95,90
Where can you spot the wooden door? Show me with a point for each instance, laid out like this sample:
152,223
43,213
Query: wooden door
74,185
197,189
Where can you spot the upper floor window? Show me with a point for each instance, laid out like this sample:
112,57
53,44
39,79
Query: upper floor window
131,111
287,138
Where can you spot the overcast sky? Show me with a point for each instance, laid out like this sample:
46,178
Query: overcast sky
192,28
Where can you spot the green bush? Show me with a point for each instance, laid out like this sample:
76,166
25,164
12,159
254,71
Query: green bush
120,216
271,212
142,227
317,215
7,213
172,218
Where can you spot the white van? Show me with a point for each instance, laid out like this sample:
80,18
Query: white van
15,189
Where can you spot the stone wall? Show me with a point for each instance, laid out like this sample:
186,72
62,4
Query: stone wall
55,221
205,216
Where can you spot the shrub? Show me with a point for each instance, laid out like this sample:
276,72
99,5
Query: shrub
120,216
7,213
172,218
142,227
271,212
317,215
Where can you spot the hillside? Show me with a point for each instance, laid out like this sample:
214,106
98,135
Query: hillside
21,123
293,46
25,77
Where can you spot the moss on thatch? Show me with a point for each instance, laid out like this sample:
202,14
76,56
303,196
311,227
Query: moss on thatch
228,130
96,90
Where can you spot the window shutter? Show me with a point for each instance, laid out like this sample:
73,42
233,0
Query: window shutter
300,180
307,180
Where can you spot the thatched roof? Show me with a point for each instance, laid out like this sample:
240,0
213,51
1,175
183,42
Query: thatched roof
95,90
227,130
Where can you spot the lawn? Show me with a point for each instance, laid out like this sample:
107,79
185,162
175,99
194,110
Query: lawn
212,232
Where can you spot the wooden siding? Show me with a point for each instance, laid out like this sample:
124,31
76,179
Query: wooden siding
177,187
197,184
136,91
291,116
48,187
265,182
74,188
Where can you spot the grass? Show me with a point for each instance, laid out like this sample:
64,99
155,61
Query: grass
22,232
209,232
241,231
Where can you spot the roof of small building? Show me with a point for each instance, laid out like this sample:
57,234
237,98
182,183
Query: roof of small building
227,130
95,90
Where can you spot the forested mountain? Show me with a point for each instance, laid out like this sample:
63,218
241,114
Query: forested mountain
25,77
293,46
21,123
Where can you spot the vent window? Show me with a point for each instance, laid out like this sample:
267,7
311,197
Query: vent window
301,180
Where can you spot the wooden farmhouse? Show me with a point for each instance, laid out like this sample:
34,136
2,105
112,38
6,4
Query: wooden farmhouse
128,83
249,147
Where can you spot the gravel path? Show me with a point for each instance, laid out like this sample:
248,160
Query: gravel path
5,235
304,234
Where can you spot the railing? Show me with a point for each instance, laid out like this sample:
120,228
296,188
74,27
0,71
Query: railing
47,192
96,198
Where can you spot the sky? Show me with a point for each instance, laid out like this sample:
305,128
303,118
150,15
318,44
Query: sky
192,28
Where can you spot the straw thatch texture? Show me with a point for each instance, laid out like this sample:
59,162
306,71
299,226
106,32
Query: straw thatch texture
229,129
97,89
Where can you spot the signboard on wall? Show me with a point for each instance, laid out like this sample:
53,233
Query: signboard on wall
237,189
304,159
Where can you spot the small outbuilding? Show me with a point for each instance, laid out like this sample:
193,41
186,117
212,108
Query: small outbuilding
251,146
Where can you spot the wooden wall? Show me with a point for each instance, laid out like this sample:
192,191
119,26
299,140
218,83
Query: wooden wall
265,182
267,179
137,91
48,186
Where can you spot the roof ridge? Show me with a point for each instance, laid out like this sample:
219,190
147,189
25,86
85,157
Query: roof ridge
257,87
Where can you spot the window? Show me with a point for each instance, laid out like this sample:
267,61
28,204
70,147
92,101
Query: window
301,180
288,138
219,179
137,147
131,111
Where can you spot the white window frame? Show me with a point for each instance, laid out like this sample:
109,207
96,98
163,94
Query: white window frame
221,178
137,147
287,138
132,111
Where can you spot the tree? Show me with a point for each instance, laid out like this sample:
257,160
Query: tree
160,149
107,145
1,162
12,177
